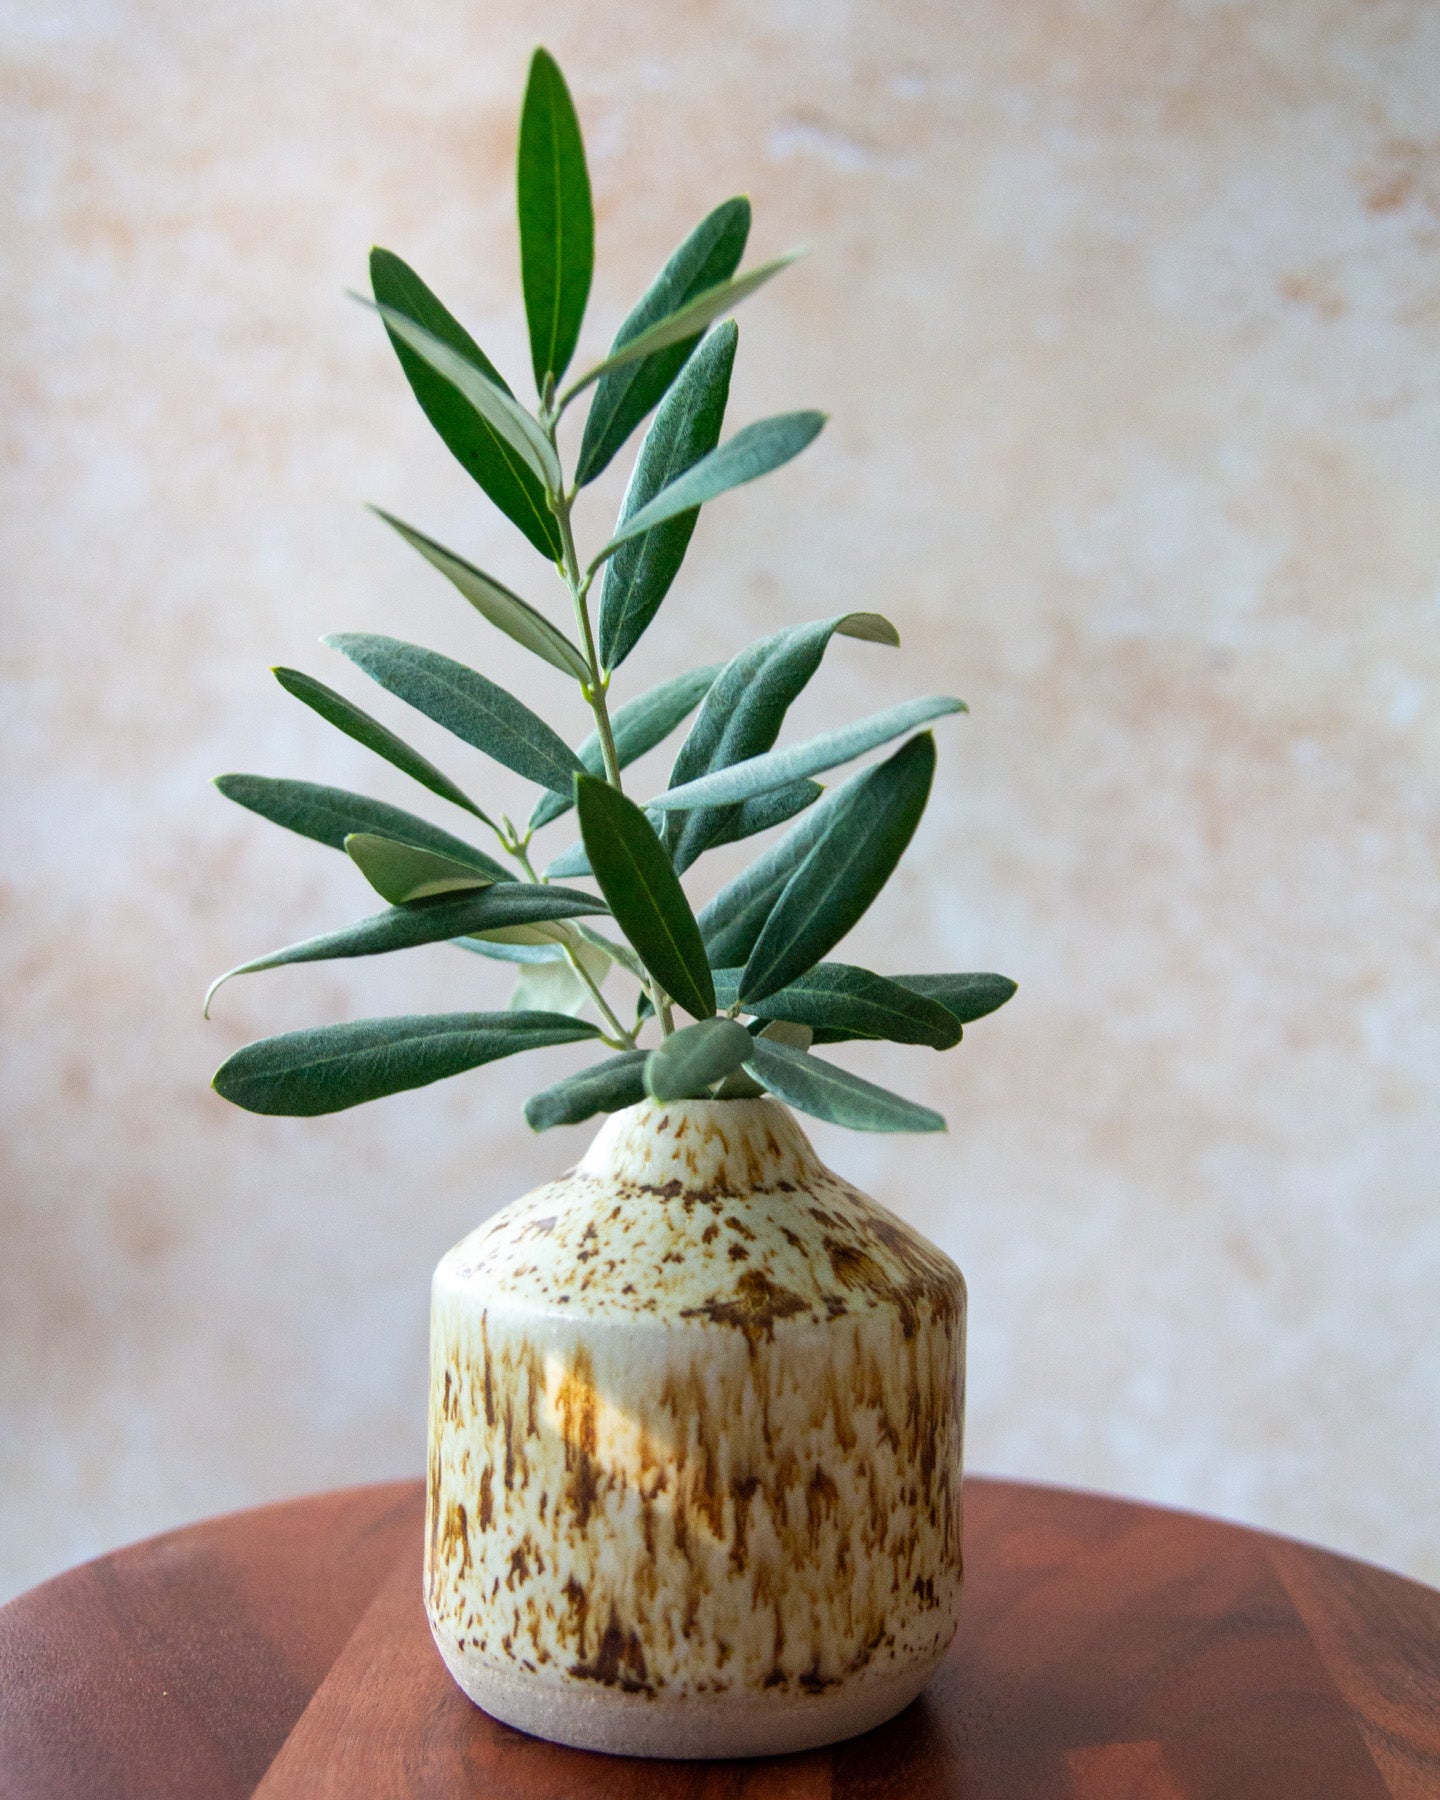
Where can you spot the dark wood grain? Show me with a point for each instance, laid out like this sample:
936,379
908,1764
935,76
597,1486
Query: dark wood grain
1109,1651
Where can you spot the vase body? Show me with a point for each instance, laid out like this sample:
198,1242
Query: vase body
695,1446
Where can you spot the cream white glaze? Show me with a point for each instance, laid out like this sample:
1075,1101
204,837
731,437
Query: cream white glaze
695,1445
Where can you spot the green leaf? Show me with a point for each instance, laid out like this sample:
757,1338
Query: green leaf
844,870
753,451
686,428
503,903
464,702
685,322
708,256
768,810
330,815
503,950
734,919
689,1062
845,1002
763,774
607,1087
814,1086
400,872
330,1067
638,726
643,893
355,722
485,455
968,997
555,987
557,224
744,711
494,403
495,602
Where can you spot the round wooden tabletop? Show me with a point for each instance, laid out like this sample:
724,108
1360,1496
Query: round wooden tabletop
1109,1651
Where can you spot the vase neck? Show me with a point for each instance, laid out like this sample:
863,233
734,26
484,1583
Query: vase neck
716,1146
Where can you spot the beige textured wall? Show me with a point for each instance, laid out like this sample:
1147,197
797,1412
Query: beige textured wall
1126,314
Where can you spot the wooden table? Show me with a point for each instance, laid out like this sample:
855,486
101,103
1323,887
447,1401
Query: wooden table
1109,1651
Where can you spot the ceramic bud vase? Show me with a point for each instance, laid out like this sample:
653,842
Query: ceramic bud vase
695,1436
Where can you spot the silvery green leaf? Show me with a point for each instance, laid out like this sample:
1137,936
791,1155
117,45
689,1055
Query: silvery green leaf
502,904
477,710
355,722
838,1001
819,1088
763,774
733,920
495,602
753,451
402,872
557,225
622,398
764,812
488,457
495,404
502,950
686,321
331,1067
685,429
636,727
844,870
968,997
606,1087
743,713
690,1061
330,815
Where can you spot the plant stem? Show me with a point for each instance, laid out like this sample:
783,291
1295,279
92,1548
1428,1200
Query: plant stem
595,691
579,585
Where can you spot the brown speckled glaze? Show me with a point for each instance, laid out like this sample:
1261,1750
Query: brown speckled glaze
695,1445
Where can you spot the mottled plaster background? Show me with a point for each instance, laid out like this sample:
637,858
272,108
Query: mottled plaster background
1127,318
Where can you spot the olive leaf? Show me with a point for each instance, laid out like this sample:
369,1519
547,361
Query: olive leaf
763,774
605,1087
464,702
690,1061
557,225
331,815
643,893
501,904
685,429
355,722
400,872
483,452
752,452
812,1085
495,602
844,870
330,1067
743,713
626,394
838,1001
685,321
493,401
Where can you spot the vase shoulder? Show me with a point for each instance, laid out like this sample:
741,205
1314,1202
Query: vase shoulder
718,1213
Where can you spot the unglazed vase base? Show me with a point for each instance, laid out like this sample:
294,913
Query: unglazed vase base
620,1724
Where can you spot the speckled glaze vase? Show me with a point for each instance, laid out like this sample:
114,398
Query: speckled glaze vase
695,1438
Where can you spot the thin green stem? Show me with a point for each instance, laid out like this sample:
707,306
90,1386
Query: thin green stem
595,689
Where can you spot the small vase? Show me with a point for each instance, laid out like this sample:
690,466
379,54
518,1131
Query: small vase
695,1438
